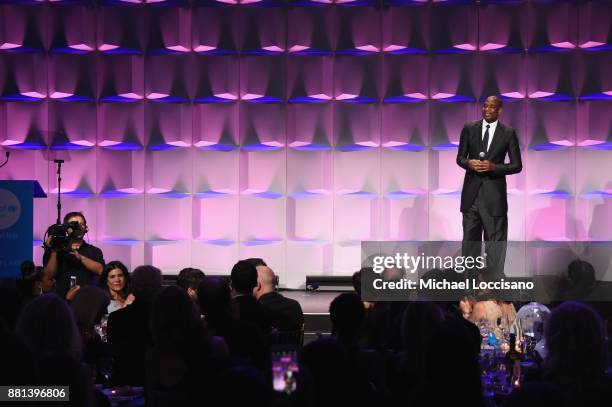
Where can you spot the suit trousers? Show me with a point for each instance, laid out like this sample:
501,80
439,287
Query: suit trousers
477,220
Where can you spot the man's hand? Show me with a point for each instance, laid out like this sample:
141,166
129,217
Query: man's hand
486,165
77,255
474,164
481,166
72,292
48,243
130,299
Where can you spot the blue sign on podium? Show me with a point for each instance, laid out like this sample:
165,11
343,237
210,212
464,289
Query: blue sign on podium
17,224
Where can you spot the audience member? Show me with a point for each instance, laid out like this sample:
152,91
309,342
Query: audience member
34,281
579,281
188,279
358,279
381,327
244,340
47,327
128,328
244,281
178,368
576,355
115,280
494,314
368,366
420,322
347,316
256,261
284,313
452,371
89,306
326,364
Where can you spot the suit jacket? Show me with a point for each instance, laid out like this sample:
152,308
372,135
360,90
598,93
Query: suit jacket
252,311
493,183
285,314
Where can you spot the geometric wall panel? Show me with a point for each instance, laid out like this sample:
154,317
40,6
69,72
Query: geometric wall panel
199,134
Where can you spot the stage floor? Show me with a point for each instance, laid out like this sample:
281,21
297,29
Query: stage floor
312,302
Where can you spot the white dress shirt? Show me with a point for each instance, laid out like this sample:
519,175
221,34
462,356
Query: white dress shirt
492,127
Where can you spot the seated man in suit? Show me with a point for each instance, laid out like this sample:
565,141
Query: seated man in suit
285,314
244,281
246,343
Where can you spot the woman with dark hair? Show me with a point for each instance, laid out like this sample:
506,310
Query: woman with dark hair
115,280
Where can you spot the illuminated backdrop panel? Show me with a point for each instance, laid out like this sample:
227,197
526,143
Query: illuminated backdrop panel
197,133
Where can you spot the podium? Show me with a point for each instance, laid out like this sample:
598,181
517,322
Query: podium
17,224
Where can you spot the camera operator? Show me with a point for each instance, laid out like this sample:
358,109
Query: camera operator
76,263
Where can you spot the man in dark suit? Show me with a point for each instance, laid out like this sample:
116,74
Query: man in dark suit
244,339
285,314
244,281
483,147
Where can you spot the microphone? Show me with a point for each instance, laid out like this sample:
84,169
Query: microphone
481,155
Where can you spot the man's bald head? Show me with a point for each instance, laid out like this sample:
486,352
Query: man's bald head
266,281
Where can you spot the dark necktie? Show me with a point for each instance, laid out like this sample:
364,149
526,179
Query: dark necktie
485,140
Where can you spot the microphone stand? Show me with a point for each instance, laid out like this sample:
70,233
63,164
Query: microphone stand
59,190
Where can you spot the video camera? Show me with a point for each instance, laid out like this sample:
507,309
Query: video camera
61,234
